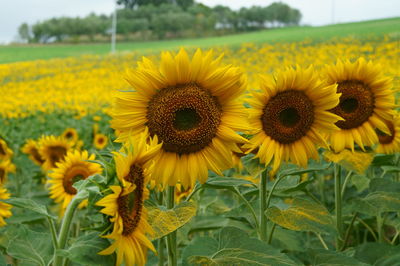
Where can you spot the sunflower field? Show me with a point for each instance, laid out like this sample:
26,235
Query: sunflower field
284,153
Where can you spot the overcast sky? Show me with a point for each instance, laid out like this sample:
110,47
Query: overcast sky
315,12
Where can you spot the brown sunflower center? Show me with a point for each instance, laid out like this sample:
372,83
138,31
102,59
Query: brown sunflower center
130,206
2,175
385,138
2,150
185,118
356,104
56,153
288,116
69,135
72,175
100,140
36,156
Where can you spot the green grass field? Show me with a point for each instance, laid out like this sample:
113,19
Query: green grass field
14,53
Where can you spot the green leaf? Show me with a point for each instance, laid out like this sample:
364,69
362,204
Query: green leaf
302,215
164,222
378,202
383,184
31,247
383,159
84,249
389,169
30,205
377,253
234,247
330,257
297,171
226,182
361,182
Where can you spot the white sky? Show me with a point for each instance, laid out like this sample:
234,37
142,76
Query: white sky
315,12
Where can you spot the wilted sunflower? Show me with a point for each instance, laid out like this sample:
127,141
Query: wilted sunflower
100,141
4,207
52,150
71,135
288,116
390,144
6,166
126,203
72,168
366,101
193,108
5,151
31,148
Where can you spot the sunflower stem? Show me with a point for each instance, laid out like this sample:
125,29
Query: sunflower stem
338,205
160,251
53,232
171,237
263,205
237,192
65,226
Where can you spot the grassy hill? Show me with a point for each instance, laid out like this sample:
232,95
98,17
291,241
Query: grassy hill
366,29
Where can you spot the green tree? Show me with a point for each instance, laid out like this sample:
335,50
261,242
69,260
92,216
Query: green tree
24,32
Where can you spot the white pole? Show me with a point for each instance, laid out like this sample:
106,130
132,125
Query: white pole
114,29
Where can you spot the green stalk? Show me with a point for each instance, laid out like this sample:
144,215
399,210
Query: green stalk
65,226
379,224
160,251
338,205
263,205
237,192
171,237
53,232
271,233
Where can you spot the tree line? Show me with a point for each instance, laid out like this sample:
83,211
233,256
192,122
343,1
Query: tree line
160,19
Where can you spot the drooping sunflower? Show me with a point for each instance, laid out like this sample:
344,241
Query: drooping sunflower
5,151
289,114
72,168
31,148
390,144
71,135
100,141
52,149
366,101
4,207
6,166
126,204
193,108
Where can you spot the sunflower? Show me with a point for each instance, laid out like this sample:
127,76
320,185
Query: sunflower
71,135
181,193
5,151
31,148
6,167
288,115
126,203
72,168
389,144
100,141
193,108
366,101
4,207
52,150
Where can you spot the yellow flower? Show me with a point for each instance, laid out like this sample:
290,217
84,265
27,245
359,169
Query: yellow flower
100,141
4,207
52,150
5,167
72,168
5,151
71,135
389,144
181,193
288,116
31,148
126,204
192,107
366,102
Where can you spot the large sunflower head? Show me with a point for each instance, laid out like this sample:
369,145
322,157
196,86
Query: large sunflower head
72,168
126,204
31,148
52,149
390,144
366,101
71,135
288,115
192,106
6,166
4,207
5,151
100,141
